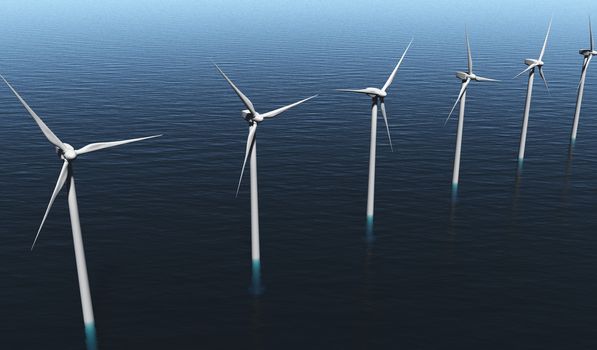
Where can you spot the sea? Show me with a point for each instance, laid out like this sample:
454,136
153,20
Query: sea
510,264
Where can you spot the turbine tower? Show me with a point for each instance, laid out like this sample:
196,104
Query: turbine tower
68,154
377,98
587,56
253,119
532,64
465,78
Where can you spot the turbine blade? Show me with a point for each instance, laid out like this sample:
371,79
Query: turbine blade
358,91
591,34
545,42
462,90
242,96
280,110
586,61
544,81
526,70
585,65
485,79
391,78
248,152
385,119
44,128
59,184
470,57
92,147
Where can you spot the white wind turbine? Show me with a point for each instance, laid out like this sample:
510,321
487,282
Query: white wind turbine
254,118
68,154
377,97
532,64
466,78
587,56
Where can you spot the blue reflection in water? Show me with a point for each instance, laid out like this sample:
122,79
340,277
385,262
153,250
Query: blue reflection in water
256,287
90,337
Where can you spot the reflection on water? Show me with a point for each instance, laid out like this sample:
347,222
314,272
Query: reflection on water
90,337
369,234
568,173
257,324
256,288
517,183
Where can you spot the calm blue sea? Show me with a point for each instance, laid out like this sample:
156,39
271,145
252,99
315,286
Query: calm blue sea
511,266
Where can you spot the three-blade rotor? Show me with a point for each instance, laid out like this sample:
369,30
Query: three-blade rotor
538,63
67,153
378,95
254,118
466,78
588,54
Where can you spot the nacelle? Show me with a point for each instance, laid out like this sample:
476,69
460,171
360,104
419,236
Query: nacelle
585,52
462,75
246,114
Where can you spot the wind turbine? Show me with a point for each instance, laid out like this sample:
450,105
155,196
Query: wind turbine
465,78
68,154
532,64
587,56
377,97
253,119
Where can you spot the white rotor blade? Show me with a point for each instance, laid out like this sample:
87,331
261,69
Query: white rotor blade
585,65
526,70
59,184
470,57
358,91
250,143
242,96
484,79
462,90
385,119
391,78
276,112
44,128
591,34
545,42
544,81
92,147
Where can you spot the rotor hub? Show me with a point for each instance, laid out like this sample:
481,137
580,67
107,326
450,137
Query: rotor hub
585,52
375,92
69,154
250,117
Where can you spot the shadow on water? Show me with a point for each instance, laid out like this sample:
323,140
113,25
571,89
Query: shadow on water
453,205
517,183
368,304
567,174
257,324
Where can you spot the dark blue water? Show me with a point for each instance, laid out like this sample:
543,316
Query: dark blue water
168,246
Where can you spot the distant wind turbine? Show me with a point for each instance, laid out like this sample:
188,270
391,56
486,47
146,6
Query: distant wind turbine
377,97
254,118
532,64
68,154
466,78
587,56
